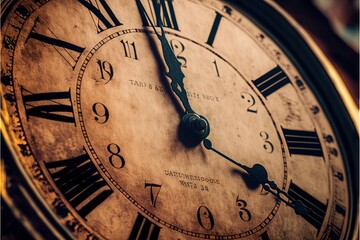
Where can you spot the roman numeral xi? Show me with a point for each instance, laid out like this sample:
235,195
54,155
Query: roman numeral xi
164,13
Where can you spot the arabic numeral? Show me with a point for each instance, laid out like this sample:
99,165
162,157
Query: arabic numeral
178,48
106,71
244,213
250,102
101,112
268,146
115,159
205,218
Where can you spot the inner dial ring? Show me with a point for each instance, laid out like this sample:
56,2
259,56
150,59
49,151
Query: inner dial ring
133,157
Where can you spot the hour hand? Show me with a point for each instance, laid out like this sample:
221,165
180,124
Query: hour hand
259,173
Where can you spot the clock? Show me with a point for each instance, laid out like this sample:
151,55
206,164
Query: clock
172,119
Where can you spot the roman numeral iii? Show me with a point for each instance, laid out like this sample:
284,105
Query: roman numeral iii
303,142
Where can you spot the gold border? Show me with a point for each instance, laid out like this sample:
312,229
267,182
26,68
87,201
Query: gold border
10,143
335,77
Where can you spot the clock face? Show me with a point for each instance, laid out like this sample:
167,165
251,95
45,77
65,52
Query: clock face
96,108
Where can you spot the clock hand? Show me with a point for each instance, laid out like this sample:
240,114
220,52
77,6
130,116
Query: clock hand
193,127
175,73
259,173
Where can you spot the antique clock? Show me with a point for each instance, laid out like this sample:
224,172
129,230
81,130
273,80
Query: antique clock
169,119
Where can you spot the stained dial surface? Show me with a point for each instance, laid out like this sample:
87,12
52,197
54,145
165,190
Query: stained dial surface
94,114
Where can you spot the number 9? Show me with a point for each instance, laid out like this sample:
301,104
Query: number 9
102,113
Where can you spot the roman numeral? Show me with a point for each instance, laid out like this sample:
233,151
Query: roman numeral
56,106
340,209
336,230
144,229
102,15
303,142
80,183
163,11
214,29
317,215
68,51
264,236
271,81
335,233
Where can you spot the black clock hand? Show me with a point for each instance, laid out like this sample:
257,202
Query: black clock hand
259,173
175,73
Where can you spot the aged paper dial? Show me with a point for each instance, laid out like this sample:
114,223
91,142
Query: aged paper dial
89,88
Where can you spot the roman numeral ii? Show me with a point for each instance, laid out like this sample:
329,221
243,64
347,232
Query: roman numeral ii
271,81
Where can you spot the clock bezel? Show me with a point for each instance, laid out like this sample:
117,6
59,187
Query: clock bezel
334,97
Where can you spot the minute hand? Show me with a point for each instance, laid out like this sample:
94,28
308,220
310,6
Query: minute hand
259,173
175,73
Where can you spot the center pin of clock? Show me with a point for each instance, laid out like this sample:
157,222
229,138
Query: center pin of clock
193,129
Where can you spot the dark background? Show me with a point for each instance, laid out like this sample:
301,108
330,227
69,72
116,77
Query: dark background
320,25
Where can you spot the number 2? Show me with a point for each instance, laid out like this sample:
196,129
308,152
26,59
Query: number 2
178,48
250,100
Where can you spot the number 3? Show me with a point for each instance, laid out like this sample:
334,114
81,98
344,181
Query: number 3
244,214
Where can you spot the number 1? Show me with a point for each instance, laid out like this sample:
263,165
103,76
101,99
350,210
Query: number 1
216,68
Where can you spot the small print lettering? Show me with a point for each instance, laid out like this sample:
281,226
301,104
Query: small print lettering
191,177
159,88
192,181
193,185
